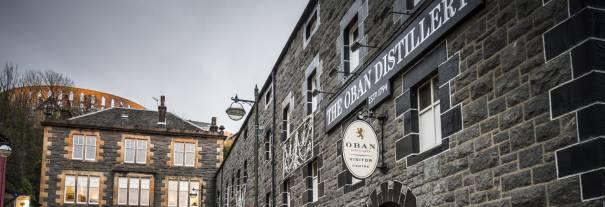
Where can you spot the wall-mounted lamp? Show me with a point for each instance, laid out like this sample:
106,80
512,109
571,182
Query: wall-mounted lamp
356,45
408,12
317,92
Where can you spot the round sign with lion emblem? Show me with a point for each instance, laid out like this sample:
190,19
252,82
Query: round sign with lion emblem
360,149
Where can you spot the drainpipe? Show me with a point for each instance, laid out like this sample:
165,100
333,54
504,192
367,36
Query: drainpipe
256,103
273,189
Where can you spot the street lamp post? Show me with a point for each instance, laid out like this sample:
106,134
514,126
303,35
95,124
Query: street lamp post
5,151
236,112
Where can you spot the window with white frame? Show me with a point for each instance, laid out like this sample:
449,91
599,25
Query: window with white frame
429,114
315,181
183,193
134,191
84,147
103,102
113,103
81,189
311,25
312,101
352,55
184,154
135,151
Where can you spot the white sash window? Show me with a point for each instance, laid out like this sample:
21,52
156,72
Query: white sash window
429,114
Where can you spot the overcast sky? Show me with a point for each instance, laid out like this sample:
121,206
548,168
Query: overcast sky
198,53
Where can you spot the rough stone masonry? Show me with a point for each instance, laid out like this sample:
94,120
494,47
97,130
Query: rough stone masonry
521,102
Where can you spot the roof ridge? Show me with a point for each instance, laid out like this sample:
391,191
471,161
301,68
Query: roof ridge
188,122
91,113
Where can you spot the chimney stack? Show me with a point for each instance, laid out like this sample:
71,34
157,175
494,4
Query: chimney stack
65,111
66,102
162,110
213,126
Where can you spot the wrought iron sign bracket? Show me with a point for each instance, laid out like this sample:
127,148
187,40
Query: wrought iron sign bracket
369,114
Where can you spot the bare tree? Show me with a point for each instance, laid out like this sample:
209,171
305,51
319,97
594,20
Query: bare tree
18,121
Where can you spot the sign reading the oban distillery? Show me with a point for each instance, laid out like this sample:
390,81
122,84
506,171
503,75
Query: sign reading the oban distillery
360,149
373,82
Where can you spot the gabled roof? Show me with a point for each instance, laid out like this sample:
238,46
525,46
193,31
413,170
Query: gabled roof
132,120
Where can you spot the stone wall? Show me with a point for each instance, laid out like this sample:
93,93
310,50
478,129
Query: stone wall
510,148
57,162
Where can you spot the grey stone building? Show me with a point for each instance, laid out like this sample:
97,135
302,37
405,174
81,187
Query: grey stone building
475,103
130,157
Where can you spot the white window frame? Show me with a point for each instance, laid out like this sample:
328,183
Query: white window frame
268,145
315,181
354,56
432,115
76,185
183,155
68,178
317,22
85,147
313,79
268,96
180,189
129,189
135,148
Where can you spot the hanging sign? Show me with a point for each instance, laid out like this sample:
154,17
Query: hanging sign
372,83
360,149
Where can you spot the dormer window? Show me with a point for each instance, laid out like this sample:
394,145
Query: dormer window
311,25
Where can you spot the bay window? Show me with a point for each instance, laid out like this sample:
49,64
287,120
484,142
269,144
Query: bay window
429,114
183,193
84,147
134,191
81,189
184,154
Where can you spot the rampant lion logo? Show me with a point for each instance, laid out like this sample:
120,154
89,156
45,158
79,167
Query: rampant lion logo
359,132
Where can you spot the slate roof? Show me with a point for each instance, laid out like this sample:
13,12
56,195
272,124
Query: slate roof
133,119
203,125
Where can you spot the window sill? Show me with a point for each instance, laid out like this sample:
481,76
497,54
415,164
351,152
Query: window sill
352,187
414,159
